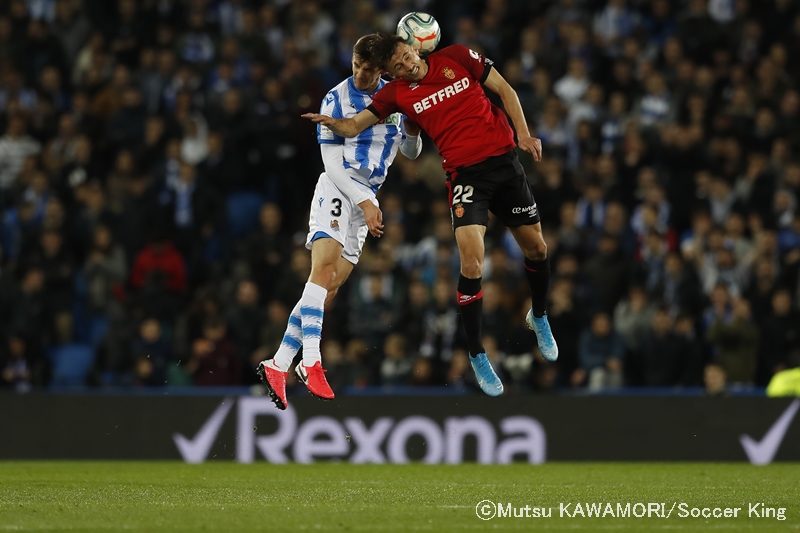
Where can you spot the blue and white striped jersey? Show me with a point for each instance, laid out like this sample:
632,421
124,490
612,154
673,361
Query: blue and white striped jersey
368,155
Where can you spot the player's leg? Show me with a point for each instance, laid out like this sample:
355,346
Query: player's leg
329,271
537,264
323,226
332,261
326,254
515,206
309,308
470,296
469,211
343,270
470,305
273,372
334,273
304,327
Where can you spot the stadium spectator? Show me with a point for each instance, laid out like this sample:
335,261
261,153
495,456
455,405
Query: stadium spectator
600,354
15,146
152,353
663,363
16,368
779,337
214,359
396,366
685,113
246,317
633,316
735,343
715,381
440,333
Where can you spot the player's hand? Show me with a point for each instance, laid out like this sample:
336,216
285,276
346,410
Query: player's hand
325,120
532,145
373,216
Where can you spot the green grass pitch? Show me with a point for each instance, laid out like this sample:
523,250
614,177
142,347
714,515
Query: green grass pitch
217,496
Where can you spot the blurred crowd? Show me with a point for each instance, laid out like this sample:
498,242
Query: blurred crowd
155,180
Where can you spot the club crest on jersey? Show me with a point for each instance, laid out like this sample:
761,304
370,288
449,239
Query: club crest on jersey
458,210
335,225
448,73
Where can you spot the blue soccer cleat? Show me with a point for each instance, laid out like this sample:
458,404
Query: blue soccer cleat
540,326
487,379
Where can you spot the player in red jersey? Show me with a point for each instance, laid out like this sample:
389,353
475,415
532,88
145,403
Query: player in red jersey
443,95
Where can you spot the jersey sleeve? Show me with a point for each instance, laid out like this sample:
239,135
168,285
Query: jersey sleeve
477,65
331,105
383,102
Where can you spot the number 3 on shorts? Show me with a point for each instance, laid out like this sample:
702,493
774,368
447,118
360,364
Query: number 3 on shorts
337,209
463,194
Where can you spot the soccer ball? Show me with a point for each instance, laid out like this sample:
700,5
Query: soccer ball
420,30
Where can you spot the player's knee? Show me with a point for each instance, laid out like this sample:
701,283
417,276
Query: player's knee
541,250
324,275
537,252
472,268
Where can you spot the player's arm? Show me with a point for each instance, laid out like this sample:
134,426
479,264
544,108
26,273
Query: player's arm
345,127
332,157
411,145
498,85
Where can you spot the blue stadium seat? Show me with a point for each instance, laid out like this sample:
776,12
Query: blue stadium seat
71,364
242,209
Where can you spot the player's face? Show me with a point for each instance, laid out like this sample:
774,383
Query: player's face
365,76
406,64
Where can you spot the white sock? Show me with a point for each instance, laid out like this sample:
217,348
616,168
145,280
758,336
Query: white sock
291,342
311,313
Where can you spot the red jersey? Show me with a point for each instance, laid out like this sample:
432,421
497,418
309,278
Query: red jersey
450,106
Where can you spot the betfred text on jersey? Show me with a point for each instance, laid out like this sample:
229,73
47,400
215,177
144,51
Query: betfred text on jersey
441,94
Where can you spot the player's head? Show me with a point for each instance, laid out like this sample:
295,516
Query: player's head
397,58
366,72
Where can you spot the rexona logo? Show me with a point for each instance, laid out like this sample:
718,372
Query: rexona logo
384,440
762,452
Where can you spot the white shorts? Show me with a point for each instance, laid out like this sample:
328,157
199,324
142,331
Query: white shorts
333,214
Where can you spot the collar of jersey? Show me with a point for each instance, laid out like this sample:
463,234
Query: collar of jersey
351,81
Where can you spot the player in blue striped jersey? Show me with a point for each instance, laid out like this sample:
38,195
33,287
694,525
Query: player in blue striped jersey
344,209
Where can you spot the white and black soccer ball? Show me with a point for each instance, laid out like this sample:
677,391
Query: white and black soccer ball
420,30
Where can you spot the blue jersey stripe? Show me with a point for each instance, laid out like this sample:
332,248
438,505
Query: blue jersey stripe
388,141
311,311
337,106
364,139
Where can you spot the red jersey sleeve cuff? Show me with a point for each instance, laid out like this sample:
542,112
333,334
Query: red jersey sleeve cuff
371,109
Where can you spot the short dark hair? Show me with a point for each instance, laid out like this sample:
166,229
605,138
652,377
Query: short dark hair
377,48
